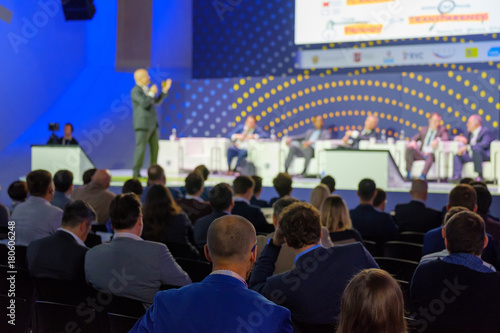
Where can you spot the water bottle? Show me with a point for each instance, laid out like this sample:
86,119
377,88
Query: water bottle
273,134
173,136
383,137
402,135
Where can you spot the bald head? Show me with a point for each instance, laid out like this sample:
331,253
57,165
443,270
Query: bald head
419,189
230,239
102,178
371,122
141,77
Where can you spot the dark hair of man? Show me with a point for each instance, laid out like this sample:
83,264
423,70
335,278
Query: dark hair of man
132,186
220,196
70,125
18,190
484,199
241,184
466,180
203,171
258,184
454,210
63,179
330,182
252,116
465,233
366,189
283,184
38,182
124,211
193,183
281,204
155,172
76,212
300,223
463,195
87,176
380,197
230,237
159,208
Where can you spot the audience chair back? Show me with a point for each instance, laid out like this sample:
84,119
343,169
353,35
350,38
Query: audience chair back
412,237
374,248
24,283
403,250
405,289
313,328
64,292
56,317
124,306
21,315
197,270
120,323
183,251
399,268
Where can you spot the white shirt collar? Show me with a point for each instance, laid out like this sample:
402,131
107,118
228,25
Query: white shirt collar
230,273
126,235
188,196
241,199
78,240
476,131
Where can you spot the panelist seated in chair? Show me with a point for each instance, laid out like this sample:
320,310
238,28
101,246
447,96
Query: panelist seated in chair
352,138
303,145
478,141
240,137
423,145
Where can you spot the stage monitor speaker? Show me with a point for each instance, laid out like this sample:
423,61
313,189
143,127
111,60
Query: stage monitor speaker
78,9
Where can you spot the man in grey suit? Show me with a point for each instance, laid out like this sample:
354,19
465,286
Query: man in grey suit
129,266
429,138
303,145
36,218
63,181
144,99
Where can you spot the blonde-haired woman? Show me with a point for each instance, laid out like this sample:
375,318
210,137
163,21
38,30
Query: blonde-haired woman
372,302
318,195
335,217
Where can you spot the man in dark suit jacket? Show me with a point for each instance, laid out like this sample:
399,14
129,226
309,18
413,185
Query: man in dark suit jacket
429,138
240,136
458,292
257,190
63,182
353,137
372,224
478,140
221,302
192,204
415,216
62,255
312,290
484,200
156,176
67,139
303,145
144,99
243,190
221,199
129,266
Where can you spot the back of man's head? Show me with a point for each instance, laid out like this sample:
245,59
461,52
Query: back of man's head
132,185
283,184
203,171
102,178
77,212
87,176
465,233
419,189
258,184
193,183
463,195
242,184
380,197
281,204
124,211
39,182
330,182
452,211
18,190
301,226
156,174
366,189
484,199
63,179
230,239
221,197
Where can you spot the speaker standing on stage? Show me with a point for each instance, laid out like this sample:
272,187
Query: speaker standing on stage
144,99
429,138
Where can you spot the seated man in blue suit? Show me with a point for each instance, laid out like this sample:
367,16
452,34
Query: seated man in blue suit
478,140
221,302
312,290
372,224
240,136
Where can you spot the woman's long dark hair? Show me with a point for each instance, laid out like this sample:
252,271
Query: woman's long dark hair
158,209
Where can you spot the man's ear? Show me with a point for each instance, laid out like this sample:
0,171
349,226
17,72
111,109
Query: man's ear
207,254
443,233
486,240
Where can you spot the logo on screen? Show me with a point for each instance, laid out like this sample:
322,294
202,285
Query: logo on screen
413,55
357,56
494,52
315,60
445,53
388,59
471,52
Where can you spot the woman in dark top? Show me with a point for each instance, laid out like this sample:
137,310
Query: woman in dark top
335,217
165,222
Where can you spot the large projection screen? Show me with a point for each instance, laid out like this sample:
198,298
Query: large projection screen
322,21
